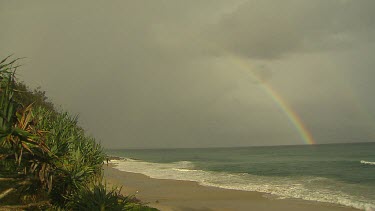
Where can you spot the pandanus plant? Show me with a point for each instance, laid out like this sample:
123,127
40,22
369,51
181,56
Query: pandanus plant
19,139
17,134
78,161
45,145
51,154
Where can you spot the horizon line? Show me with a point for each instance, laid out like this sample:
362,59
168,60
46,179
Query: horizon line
222,147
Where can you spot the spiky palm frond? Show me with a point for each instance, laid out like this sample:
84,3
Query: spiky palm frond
52,152
75,158
99,197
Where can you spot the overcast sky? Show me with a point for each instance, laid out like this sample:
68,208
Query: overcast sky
144,74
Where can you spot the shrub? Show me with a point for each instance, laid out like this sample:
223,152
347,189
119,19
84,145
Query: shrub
48,154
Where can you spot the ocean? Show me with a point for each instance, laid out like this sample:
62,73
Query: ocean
336,173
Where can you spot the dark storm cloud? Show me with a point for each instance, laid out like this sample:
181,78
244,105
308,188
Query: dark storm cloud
163,73
270,29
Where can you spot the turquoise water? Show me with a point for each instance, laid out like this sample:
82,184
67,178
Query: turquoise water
338,173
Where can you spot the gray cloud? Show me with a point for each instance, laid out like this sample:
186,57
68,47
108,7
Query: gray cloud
162,73
271,29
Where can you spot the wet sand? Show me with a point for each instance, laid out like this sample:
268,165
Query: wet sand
188,196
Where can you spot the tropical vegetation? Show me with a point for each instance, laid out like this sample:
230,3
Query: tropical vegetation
47,162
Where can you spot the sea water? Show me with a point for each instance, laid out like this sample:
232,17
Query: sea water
337,173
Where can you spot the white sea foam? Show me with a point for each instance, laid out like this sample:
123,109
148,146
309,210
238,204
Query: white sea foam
367,162
282,187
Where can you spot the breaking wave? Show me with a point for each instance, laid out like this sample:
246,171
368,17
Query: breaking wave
367,162
308,188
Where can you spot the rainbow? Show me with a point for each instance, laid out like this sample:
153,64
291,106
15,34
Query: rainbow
293,117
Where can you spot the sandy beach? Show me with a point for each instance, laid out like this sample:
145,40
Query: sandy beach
185,195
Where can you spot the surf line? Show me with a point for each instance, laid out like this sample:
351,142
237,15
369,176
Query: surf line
292,116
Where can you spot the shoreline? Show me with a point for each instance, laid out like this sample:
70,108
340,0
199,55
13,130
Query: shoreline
166,194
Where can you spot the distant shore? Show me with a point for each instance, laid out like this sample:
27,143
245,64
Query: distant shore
185,195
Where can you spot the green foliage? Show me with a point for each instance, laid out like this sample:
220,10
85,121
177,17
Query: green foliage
73,160
48,155
25,96
98,198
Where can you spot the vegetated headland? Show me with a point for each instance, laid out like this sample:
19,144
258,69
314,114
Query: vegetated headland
47,162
